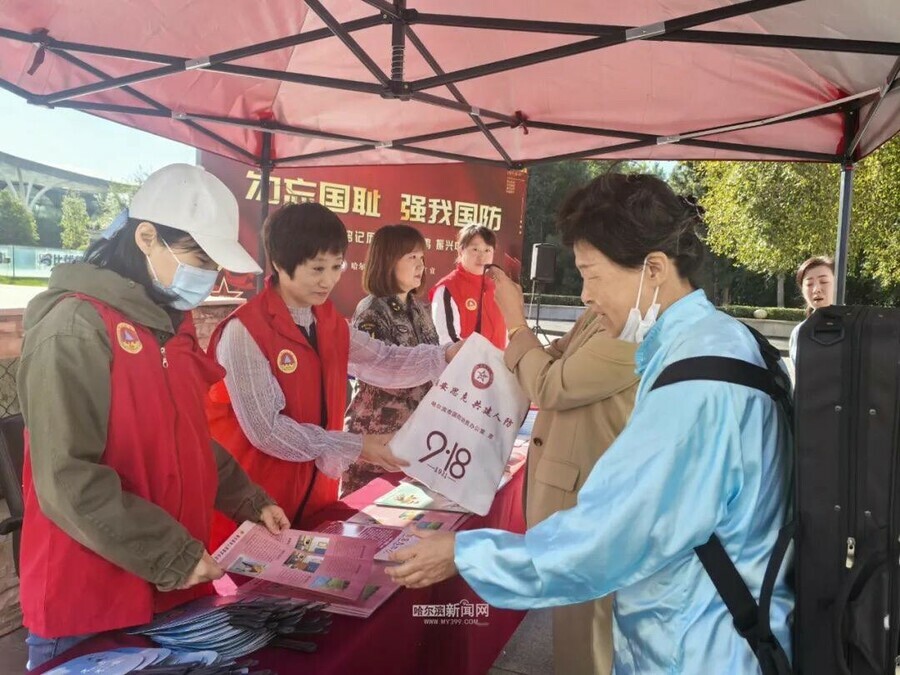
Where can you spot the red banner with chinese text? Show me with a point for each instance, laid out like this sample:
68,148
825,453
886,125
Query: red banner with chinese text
436,199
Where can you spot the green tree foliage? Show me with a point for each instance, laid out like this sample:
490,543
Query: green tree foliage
17,225
111,204
770,216
75,223
876,214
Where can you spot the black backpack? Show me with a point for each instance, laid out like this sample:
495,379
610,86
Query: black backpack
751,618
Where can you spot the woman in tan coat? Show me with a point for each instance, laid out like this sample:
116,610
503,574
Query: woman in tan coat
584,385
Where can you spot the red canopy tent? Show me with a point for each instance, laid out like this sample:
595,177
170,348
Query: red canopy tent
283,82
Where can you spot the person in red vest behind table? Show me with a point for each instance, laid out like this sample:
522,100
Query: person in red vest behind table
466,295
287,353
120,476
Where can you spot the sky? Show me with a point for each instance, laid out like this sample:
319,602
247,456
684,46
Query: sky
79,142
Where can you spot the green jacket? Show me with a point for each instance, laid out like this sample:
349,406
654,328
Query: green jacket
64,392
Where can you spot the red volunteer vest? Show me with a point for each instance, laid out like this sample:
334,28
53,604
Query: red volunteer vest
465,289
304,376
158,443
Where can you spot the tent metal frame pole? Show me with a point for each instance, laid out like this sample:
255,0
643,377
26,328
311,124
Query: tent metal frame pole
886,88
845,209
177,64
400,17
398,47
299,78
335,26
842,106
272,126
641,140
457,94
156,73
787,153
450,133
484,113
386,8
423,138
843,234
265,171
45,41
13,89
697,36
594,44
74,60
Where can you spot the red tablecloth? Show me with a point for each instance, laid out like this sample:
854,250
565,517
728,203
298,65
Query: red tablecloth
392,641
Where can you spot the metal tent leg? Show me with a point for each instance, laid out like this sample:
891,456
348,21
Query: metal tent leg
843,234
265,168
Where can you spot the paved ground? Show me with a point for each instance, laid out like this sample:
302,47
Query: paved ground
13,654
16,297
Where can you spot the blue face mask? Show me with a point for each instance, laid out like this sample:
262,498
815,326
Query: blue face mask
190,286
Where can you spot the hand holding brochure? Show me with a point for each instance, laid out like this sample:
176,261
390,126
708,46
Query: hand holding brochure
326,564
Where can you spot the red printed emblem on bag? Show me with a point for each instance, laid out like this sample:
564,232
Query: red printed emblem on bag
482,376
128,338
287,361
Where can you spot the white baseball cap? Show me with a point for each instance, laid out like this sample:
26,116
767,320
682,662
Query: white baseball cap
191,199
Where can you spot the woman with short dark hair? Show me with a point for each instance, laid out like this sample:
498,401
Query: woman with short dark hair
287,353
696,459
391,313
465,297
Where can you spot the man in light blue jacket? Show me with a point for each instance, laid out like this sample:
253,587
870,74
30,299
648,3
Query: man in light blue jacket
696,458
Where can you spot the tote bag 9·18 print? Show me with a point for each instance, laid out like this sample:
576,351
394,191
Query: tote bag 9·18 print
460,437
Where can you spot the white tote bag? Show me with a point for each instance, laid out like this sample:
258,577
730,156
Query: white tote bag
459,439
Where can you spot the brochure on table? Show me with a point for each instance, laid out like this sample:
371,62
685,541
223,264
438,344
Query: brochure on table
326,564
378,588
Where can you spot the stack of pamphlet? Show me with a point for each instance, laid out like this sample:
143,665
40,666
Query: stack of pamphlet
227,628
154,662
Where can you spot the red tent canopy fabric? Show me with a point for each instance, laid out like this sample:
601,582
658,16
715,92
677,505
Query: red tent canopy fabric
510,83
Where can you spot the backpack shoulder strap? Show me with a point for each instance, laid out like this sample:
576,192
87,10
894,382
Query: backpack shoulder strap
771,380
720,369
751,619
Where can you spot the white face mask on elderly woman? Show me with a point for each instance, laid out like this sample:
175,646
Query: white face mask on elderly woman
637,326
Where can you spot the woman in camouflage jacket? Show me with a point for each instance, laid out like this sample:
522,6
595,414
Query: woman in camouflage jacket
391,312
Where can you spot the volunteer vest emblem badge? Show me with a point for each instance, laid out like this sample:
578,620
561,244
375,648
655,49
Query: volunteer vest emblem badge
287,361
471,304
128,338
482,376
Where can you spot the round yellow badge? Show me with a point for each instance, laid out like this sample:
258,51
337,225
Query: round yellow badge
471,304
128,338
287,361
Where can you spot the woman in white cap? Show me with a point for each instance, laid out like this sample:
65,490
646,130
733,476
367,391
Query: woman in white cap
121,476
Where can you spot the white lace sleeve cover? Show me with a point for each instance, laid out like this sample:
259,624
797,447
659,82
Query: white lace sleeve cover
392,367
258,401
